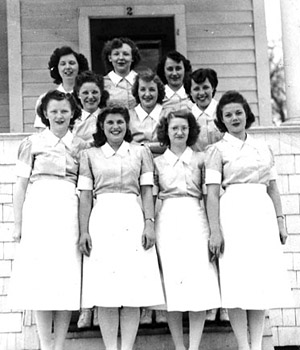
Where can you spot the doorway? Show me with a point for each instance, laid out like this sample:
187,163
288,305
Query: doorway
154,36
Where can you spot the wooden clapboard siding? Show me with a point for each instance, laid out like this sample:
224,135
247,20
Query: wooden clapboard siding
51,35
219,30
38,48
39,76
4,101
231,70
220,35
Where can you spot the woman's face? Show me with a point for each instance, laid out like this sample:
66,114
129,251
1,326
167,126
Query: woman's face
202,93
68,67
174,73
89,95
148,94
178,131
115,128
59,114
121,59
234,118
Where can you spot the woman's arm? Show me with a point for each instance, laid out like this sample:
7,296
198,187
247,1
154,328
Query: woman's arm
273,192
85,208
216,241
148,238
18,200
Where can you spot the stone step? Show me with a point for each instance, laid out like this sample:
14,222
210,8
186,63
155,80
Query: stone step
216,336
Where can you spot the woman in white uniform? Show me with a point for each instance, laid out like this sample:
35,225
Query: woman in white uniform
173,70
64,66
120,56
121,271
46,271
190,279
248,220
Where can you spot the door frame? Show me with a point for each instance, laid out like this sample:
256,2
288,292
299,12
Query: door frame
85,13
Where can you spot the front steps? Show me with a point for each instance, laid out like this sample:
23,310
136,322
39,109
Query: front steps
216,336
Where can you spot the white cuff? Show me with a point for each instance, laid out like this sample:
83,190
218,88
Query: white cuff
146,179
85,183
273,174
213,177
23,169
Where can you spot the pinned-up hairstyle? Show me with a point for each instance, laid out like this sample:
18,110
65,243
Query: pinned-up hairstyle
233,96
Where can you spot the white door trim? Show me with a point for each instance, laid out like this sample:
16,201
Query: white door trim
85,13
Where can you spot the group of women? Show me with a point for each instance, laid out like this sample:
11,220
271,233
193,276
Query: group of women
178,207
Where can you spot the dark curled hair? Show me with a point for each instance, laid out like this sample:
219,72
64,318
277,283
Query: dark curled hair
233,97
91,77
177,57
116,43
162,129
99,136
58,96
148,76
55,57
199,76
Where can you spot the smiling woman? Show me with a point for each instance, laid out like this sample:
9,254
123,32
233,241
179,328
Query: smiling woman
46,221
64,65
117,237
121,56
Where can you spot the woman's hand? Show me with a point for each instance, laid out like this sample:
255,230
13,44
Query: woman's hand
85,244
148,237
282,230
216,245
17,233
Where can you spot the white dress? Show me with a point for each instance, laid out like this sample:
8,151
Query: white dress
119,272
252,268
190,280
46,270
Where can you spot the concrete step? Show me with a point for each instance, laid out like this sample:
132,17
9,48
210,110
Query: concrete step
214,338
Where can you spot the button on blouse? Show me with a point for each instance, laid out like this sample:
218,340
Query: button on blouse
178,177
106,171
143,125
232,161
44,156
119,89
209,133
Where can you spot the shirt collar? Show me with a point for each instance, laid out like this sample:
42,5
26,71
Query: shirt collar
62,89
209,111
85,115
172,159
115,78
54,140
108,151
170,93
154,114
237,142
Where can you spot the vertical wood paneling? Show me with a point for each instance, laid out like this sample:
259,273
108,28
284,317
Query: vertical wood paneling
4,105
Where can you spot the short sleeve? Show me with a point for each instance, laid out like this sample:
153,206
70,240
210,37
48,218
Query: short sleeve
147,168
213,165
25,160
85,179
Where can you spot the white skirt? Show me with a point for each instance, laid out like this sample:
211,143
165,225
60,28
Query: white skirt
252,270
119,272
46,270
190,280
